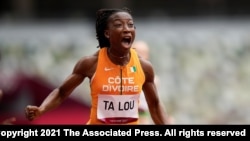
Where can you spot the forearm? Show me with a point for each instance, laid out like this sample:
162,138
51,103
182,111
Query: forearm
53,100
159,115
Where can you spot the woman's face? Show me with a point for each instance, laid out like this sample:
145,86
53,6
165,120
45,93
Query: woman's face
120,31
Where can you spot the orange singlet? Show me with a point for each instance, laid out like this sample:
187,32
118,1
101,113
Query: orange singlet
115,90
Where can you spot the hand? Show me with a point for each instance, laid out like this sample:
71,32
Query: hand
32,112
9,121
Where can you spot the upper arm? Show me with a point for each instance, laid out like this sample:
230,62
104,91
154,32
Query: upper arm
82,69
149,87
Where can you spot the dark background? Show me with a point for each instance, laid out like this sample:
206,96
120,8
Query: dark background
68,9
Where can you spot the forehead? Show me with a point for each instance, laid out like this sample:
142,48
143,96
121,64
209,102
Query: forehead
120,16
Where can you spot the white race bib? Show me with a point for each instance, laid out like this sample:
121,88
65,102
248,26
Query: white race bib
117,109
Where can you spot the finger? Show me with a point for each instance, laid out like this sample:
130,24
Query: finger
30,117
30,114
30,107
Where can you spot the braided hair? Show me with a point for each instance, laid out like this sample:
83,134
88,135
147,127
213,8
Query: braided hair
102,17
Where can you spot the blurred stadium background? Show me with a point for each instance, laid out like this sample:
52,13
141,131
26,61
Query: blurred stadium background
200,50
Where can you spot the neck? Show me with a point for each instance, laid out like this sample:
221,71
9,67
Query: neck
119,60
115,56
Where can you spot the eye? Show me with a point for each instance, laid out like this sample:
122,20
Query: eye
131,25
118,25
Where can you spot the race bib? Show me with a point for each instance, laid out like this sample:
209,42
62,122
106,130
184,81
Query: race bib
117,109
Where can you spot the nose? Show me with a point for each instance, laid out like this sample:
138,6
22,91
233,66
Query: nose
127,28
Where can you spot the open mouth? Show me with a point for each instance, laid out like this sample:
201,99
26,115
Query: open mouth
126,40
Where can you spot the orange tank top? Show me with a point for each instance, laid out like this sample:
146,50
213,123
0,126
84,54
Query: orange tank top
115,90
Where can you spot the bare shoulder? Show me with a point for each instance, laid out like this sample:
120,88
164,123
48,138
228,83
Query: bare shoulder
87,65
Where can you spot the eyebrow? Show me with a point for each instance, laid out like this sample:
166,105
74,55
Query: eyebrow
118,19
